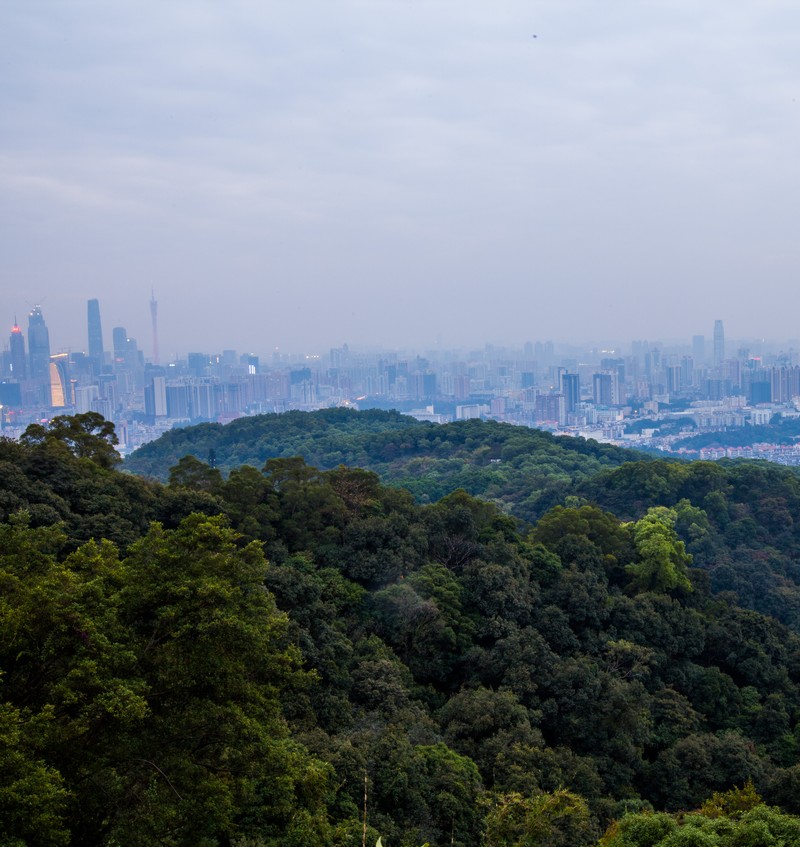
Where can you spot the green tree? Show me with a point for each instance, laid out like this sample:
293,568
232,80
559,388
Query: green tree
548,819
214,755
68,681
190,472
33,799
449,787
87,435
602,529
663,560
734,819
142,698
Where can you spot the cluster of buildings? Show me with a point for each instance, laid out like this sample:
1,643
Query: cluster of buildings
648,394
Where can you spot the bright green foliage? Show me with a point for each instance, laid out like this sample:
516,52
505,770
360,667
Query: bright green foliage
760,826
554,819
639,830
663,558
64,674
733,803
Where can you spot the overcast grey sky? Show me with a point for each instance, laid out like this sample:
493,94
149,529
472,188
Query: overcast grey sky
398,172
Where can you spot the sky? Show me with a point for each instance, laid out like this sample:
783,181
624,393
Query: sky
396,173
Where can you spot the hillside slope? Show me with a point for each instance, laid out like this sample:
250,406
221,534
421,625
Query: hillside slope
178,687
526,470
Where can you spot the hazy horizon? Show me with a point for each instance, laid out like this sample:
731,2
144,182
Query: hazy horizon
311,174
564,347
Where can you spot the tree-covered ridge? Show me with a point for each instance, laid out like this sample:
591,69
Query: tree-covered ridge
525,470
496,685
737,519
325,438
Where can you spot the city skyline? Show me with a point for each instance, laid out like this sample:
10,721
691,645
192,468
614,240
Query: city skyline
621,395
305,175
149,343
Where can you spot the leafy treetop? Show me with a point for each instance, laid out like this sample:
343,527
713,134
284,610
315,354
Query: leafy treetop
87,435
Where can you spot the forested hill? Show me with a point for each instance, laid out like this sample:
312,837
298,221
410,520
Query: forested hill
739,520
526,469
230,662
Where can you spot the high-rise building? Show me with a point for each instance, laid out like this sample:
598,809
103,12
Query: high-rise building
86,396
19,365
119,336
674,378
198,364
95,332
719,343
550,408
606,389
60,383
128,361
571,389
155,397
38,345
687,371
602,389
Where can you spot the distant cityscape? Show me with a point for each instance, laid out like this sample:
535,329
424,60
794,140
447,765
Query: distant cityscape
650,394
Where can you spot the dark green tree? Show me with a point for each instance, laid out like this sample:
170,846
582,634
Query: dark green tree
190,472
87,435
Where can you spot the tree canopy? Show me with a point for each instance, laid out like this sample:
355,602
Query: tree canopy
233,658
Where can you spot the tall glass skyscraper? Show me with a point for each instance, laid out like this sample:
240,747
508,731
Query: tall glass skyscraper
95,331
38,345
19,365
719,343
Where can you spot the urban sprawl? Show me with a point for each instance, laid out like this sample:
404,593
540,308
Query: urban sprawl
648,395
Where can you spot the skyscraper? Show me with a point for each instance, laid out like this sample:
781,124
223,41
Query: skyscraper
60,383
19,365
38,345
571,389
602,389
719,343
95,332
120,337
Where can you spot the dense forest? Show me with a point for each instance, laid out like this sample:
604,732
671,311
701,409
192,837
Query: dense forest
282,654
736,518
525,470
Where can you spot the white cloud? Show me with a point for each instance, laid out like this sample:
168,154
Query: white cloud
314,155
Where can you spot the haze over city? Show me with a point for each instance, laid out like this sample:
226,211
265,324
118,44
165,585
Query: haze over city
300,175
